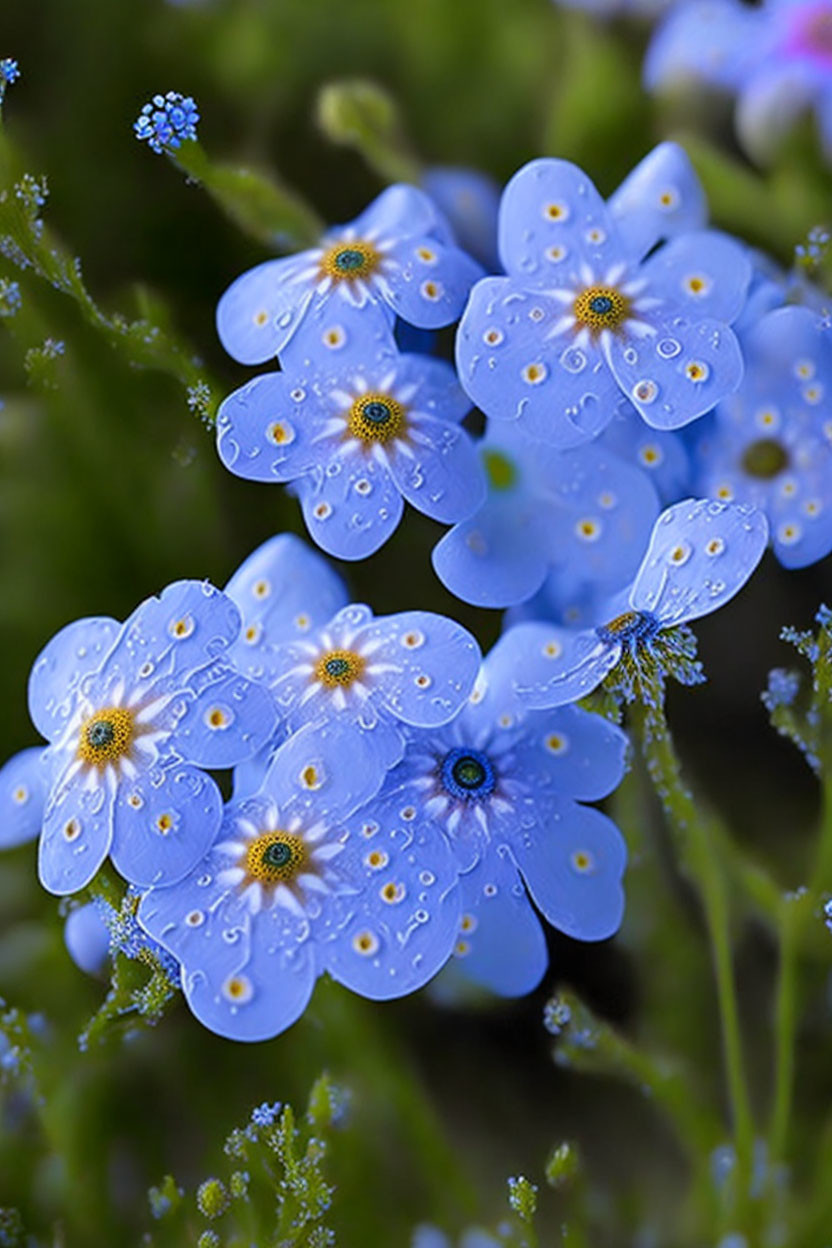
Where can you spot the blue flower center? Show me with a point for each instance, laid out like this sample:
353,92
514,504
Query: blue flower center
100,733
467,774
377,413
337,667
601,305
631,626
278,854
349,259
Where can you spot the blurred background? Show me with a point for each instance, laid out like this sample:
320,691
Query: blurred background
110,488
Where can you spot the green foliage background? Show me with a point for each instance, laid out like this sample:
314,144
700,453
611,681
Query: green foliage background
110,488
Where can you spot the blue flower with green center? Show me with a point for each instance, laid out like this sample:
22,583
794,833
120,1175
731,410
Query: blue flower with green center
133,712
585,513
357,434
701,553
592,309
362,895
398,258
770,444
776,58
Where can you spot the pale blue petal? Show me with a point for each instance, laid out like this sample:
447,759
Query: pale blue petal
606,511
229,718
571,752
661,455
285,591
718,266
219,943
401,212
660,198
259,312
572,862
497,557
682,370
77,833
76,650
165,821
436,388
269,429
187,626
513,370
471,202
501,943
553,204
713,41
700,555
428,665
554,666
23,792
87,938
439,471
769,105
337,333
433,293
329,768
411,935
351,514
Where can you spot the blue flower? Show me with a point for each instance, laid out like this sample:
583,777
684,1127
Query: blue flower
10,298
87,938
660,454
770,444
167,122
700,555
374,675
585,511
128,710
23,789
505,787
357,440
9,70
398,256
582,316
470,201
306,877
776,58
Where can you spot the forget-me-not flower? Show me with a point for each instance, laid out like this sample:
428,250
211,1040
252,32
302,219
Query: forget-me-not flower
398,256
701,553
775,57
770,444
357,435
167,121
132,712
586,314
305,877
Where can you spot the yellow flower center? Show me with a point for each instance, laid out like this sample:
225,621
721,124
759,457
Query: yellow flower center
376,418
339,667
105,736
275,858
601,307
345,262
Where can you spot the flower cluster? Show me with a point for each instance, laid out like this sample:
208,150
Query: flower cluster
167,122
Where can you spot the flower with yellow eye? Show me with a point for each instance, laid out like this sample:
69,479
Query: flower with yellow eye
310,875
590,309
357,441
133,712
398,258
770,444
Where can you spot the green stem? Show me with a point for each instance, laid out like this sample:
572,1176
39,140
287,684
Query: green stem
696,843
793,911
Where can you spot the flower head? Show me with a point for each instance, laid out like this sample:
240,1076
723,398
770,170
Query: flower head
9,70
167,122
304,879
357,437
132,713
398,257
770,444
700,555
582,316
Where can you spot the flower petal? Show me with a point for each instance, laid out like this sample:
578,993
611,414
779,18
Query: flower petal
76,650
23,790
660,198
501,943
554,666
351,514
704,272
259,312
164,823
228,719
77,834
